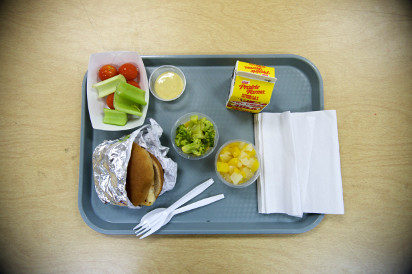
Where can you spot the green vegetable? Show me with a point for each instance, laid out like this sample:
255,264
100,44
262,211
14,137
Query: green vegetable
114,117
182,136
124,105
131,93
108,86
206,124
209,138
195,136
196,148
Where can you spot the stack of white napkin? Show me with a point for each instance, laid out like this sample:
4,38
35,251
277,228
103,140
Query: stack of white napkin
300,163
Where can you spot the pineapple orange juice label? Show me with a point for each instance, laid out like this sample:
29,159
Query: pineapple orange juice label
251,88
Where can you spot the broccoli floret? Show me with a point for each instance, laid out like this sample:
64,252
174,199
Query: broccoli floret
196,131
193,120
183,136
205,124
196,148
209,139
184,142
200,151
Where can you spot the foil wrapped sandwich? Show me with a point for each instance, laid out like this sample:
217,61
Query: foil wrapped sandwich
133,170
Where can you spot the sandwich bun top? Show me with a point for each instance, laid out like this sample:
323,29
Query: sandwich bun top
145,177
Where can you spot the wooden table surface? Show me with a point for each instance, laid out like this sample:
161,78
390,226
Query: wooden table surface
363,50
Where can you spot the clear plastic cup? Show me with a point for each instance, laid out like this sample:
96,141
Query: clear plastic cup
183,120
160,70
246,183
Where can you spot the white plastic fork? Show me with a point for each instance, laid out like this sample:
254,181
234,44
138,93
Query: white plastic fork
148,223
194,205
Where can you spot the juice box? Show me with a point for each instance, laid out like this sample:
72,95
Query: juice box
251,88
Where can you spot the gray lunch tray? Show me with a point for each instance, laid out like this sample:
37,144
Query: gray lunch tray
299,88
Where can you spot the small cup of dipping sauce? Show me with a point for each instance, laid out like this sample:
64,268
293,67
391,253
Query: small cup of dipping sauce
167,83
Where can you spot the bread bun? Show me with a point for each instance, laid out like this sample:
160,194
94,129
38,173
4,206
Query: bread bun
145,177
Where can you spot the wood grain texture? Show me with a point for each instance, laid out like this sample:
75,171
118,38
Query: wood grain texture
363,50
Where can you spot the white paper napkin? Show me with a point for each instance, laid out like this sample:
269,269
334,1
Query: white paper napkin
301,163
278,167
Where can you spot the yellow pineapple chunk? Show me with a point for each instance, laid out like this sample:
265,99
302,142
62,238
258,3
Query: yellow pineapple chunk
222,167
245,161
236,178
243,154
234,161
242,145
248,147
255,166
251,162
248,173
235,152
225,157
252,153
226,150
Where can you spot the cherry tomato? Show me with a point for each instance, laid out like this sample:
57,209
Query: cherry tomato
109,100
106,72
133,83
129,71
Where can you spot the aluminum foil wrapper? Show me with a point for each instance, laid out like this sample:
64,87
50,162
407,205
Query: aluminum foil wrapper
110,160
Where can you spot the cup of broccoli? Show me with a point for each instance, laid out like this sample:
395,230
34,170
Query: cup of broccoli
194,136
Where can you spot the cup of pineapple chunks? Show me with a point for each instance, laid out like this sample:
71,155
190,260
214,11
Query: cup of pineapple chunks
237,163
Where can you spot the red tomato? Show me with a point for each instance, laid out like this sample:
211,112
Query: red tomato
133,83
129,71
109,100
106,72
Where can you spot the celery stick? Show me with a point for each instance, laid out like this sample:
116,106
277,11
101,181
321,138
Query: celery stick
131,93
127,106
108,86
114,117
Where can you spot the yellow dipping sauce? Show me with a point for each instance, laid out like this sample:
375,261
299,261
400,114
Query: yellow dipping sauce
168,85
